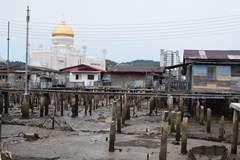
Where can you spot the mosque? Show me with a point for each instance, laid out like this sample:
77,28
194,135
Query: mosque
62,53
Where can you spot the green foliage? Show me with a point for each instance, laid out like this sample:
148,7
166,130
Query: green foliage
17,64
143,63
110,63
21,65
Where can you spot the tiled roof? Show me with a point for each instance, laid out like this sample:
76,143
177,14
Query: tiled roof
212,54
82,68
120,68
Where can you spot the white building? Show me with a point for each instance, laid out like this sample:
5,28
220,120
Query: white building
169,58
62,53
80,75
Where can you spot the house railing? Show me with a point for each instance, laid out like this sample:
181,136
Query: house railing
179,85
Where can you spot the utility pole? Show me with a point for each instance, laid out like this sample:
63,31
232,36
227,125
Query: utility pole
8,39
25,102
26,64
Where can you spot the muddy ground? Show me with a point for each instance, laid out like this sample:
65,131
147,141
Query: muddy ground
85,137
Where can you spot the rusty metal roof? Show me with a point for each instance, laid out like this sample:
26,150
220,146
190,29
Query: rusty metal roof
212,54
139,69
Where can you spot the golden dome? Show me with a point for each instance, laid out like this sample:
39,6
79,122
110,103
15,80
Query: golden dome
62,30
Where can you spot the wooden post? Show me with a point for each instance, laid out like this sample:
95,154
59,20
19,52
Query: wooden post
128,104
66,102
90,105
112,136
61,104
201,120
53,116
164,132
1,103
76,105
25,107
152,105
0,133
221,129
73,106
170,108
178,125
209,114
181,106
184,135
197,111
42,104
114,111
234,142
172,121
47,100
6,101
118,119
121,104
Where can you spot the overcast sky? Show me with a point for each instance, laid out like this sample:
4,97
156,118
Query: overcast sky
128,29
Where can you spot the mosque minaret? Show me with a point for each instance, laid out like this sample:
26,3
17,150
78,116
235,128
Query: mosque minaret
62,53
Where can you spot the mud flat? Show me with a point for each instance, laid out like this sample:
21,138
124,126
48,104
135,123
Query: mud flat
86,137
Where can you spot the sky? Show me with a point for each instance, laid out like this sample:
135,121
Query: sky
127,29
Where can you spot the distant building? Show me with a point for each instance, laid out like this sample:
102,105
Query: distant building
135,77
80,75
169,58
62,53
208,71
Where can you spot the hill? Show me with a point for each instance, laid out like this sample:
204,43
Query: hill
134,63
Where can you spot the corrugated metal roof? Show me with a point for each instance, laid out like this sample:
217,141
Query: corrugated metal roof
120,68
212,54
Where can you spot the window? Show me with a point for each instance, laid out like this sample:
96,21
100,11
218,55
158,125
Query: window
90,77
19,77
77,77
212,72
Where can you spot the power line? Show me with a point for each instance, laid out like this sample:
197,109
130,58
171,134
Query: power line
234,16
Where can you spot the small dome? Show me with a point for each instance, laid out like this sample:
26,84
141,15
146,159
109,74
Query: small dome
62,30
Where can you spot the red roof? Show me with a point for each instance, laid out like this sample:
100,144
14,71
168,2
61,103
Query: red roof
82,68
120,68
212,54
